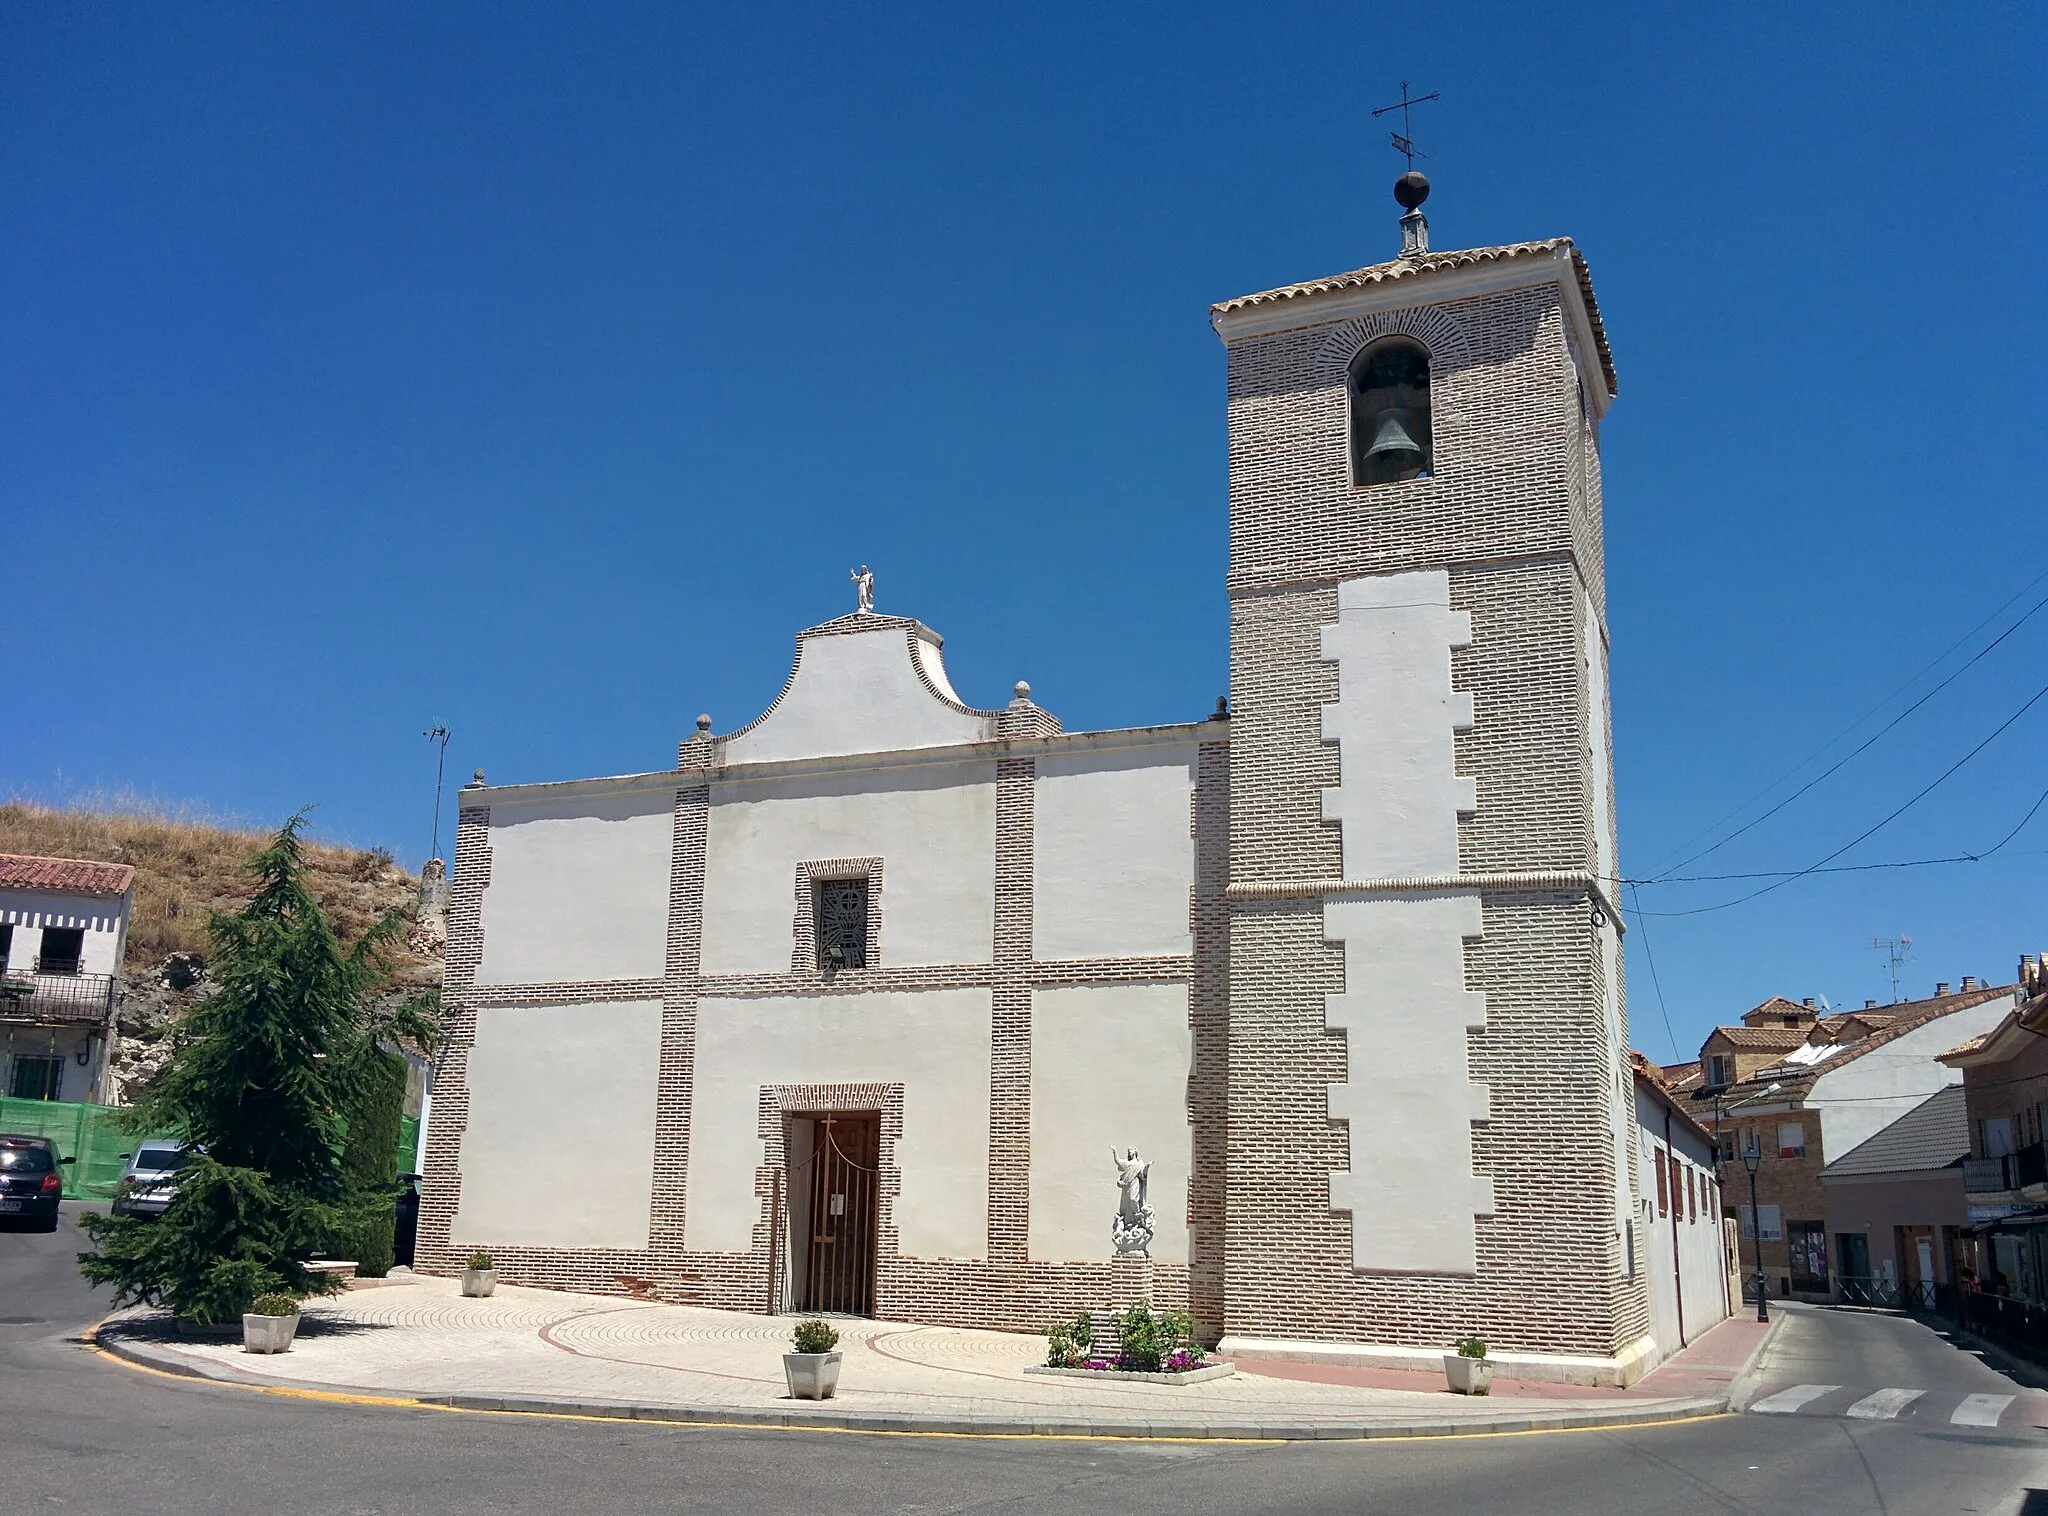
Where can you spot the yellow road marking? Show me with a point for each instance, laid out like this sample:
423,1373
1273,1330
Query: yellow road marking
90,1337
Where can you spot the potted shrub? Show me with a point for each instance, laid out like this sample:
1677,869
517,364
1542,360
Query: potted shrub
813,1369
1468,1369
477,1278
269,1324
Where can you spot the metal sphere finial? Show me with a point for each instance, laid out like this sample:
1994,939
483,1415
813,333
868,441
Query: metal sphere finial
1410,190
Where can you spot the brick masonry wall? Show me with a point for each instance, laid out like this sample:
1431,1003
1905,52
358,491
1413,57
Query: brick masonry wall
1513,513
1791,1184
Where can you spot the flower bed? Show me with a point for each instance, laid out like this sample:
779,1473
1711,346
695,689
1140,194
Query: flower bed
1152,1345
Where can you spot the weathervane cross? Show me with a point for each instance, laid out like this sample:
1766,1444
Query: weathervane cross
1403,142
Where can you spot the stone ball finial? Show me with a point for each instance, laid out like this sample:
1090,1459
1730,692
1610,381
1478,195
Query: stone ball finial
1410,190
1022,690
704,722
476,778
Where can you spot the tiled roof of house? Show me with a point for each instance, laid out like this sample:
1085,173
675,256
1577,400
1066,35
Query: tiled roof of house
1934,1135
1972,1045
1762,1039
1797,1075
1779,1005
64,876
1435,263
1653,1075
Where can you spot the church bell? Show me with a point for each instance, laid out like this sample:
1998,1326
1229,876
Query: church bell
1393,438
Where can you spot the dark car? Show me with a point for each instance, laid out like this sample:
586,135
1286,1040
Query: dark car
31,1182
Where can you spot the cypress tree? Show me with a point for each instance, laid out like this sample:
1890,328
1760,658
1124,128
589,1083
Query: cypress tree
263,1075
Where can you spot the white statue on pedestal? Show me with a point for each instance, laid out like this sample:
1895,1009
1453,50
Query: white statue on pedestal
1133,1228
864,591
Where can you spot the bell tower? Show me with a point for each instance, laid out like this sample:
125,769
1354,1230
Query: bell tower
1430,1103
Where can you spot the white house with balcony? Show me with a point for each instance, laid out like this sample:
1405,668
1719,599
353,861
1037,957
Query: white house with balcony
63,926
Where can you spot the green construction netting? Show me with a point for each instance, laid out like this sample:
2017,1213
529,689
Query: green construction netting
89,1134
86,1133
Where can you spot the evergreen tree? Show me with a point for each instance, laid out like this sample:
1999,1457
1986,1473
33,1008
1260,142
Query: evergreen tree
369,1164
262,1076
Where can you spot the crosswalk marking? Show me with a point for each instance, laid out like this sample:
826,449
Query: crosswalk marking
1786,1401
1884,1405
1980,1410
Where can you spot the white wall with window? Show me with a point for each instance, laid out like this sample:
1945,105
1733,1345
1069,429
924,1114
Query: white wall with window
60,961
50,933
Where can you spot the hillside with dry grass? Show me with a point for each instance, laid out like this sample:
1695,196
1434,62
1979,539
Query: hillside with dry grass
186,869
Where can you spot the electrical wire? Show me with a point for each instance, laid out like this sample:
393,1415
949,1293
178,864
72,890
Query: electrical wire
1869,832
1677,1056
1870,742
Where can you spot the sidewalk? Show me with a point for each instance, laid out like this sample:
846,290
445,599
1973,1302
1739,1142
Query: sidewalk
418,1339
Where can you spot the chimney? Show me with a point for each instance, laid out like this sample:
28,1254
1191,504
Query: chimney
1870,1005
1969,983
1940,988
1807,1002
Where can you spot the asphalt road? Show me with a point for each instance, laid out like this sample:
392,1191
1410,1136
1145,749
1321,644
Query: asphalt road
79,1432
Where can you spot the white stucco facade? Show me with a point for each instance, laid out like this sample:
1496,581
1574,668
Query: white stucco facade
650,978
933,825
934,1043
1867,1094
102,919
1115,853
1078,1117
60,951
1678,1234
1405,1012
579,888
559,1148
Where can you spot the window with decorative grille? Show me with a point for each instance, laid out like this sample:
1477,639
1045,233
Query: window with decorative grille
842,923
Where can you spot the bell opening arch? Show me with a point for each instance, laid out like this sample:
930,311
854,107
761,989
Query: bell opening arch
1391,440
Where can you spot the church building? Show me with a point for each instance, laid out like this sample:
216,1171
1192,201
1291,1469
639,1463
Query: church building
867,1005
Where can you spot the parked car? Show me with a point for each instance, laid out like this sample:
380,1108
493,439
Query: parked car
31,1181
150,1179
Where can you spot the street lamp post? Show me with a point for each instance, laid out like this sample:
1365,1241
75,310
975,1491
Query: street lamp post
1752,1156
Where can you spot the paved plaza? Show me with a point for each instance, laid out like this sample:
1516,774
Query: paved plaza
418,1338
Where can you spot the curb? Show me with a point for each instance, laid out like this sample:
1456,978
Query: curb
169,1362
1744,1384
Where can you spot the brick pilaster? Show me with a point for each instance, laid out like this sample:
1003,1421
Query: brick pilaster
1009,1099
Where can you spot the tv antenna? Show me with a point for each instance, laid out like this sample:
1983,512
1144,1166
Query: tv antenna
1895,954
438,733
1403,140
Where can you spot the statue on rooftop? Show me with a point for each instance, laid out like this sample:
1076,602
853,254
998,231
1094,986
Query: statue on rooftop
864,591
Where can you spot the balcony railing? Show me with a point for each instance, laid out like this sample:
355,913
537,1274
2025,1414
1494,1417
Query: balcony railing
1992,1176
46,998
1986,1176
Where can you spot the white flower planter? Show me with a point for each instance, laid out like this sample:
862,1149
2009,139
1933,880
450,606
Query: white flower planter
1469,1376
478,1282
268,1334
812,1376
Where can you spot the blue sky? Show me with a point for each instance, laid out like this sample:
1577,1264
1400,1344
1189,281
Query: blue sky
540,369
